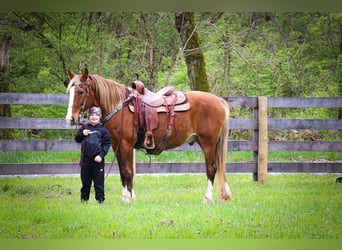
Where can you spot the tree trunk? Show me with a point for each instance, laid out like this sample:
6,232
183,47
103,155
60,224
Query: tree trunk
186,26
150,53
5,109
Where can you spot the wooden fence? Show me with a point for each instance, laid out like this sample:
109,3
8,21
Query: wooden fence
259,124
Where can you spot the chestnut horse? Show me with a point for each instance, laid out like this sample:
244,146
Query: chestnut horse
205,122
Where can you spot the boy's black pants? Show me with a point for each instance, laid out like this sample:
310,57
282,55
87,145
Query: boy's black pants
92,172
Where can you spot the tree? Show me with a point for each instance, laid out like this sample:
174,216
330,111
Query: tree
5,109
4,74
186,26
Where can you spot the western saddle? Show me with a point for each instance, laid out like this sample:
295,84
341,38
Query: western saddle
146,105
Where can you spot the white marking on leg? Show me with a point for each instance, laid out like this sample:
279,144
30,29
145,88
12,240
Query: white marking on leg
68,117
208,198
127,196
226,193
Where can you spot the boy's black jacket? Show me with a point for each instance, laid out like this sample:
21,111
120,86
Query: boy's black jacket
96,143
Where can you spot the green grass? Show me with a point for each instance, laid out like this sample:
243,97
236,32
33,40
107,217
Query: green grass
167,156
300,206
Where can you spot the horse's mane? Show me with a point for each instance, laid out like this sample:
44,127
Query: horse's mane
108,92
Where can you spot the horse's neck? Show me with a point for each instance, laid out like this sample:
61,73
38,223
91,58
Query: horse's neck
124,94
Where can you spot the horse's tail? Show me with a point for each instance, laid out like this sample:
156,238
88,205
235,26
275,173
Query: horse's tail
220,159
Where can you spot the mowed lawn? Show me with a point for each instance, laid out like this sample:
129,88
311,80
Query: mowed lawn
288,206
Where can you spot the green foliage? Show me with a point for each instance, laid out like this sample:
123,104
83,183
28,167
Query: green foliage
249,54
278,54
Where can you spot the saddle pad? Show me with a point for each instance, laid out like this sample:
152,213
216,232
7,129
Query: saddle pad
160,109
156,100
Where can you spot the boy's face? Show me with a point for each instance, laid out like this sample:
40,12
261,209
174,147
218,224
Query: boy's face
94,118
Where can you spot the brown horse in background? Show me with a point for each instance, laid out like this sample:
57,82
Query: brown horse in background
204,121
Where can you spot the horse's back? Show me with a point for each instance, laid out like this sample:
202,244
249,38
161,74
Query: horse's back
208,104
203,96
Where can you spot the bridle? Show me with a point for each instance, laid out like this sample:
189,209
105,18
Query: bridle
86,83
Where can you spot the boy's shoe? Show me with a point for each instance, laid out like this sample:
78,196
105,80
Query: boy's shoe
100,201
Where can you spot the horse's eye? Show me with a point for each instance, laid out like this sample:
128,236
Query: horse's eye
80,92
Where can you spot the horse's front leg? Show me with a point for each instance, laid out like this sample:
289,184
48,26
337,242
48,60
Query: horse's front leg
126,161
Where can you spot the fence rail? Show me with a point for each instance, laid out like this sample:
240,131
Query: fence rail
259,145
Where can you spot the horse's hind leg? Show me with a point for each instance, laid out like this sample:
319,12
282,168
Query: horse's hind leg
211,172
215,165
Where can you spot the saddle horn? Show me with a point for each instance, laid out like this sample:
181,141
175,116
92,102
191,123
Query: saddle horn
138,85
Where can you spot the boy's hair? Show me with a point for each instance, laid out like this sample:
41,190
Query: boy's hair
94,110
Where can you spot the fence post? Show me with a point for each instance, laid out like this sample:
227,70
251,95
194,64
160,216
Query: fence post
256,140
263,140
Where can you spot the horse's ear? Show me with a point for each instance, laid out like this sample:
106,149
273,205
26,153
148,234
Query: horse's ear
71,74
66,83
85,75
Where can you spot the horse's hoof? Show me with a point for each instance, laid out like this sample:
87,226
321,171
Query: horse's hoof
128,199
225,199
125,200
207,200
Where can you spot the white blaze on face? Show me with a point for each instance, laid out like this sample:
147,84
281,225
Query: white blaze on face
68,117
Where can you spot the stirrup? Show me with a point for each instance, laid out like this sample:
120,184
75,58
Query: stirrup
149,141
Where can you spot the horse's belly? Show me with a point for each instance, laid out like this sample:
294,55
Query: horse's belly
182,130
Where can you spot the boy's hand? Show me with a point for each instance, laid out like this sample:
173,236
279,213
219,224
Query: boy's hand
86,132
98,159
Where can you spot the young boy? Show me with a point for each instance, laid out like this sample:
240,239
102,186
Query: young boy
96,142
